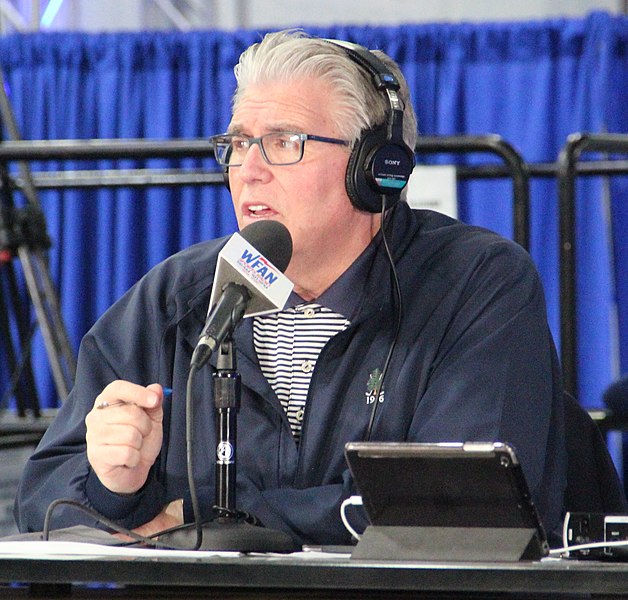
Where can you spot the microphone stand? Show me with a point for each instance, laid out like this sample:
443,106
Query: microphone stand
227,392
230,529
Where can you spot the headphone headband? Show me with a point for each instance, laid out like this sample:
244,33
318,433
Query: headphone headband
381,162
383,77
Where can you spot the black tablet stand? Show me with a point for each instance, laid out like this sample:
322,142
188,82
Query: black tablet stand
449,543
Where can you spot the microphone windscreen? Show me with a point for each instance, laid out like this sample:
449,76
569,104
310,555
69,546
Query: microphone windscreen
272,240
616,396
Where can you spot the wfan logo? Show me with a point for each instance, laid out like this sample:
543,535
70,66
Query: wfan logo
258,268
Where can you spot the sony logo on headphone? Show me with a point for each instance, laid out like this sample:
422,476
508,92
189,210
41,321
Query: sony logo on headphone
392,162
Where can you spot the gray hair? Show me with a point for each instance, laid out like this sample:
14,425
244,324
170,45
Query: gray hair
288,55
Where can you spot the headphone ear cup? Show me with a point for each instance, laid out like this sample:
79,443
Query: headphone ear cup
353,183
377,166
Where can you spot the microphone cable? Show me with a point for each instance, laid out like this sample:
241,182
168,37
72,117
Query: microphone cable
189,421
397,302
149,541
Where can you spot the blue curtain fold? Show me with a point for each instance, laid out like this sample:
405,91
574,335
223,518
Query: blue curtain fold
616,109
533,83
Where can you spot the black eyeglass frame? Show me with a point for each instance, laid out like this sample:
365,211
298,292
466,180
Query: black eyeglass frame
222,157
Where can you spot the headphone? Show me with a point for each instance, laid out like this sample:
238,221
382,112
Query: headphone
381,162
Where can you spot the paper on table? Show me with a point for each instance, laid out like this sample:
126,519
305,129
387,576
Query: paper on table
38,550
82,542
74,550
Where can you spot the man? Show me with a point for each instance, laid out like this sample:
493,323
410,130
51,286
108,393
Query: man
473,358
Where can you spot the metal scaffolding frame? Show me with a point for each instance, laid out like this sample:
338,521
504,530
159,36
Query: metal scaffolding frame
181,15
108,149
568,169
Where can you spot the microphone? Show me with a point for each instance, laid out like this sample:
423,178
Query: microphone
249,281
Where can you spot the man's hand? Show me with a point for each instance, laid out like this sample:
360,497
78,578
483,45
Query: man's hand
170,516
124,434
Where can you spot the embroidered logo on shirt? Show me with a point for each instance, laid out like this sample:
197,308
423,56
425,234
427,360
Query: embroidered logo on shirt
372,385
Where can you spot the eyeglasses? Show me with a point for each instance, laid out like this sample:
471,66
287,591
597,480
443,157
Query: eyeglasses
278,148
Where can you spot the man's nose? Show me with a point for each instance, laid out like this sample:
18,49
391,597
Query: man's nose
253,163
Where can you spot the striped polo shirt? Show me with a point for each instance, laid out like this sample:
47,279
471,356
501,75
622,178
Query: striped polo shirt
288,342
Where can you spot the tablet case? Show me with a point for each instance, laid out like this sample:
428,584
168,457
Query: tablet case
454,501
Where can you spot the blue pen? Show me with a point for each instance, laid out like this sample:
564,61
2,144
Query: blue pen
167,393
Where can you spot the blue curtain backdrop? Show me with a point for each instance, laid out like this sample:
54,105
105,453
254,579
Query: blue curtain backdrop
533,83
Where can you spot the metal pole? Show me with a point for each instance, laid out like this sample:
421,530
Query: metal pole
576,145
493,144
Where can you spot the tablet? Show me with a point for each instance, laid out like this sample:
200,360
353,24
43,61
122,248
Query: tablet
472,484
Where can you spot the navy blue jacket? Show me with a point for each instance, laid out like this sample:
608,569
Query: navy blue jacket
475,360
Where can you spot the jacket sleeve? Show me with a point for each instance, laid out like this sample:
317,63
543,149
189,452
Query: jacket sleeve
59,468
